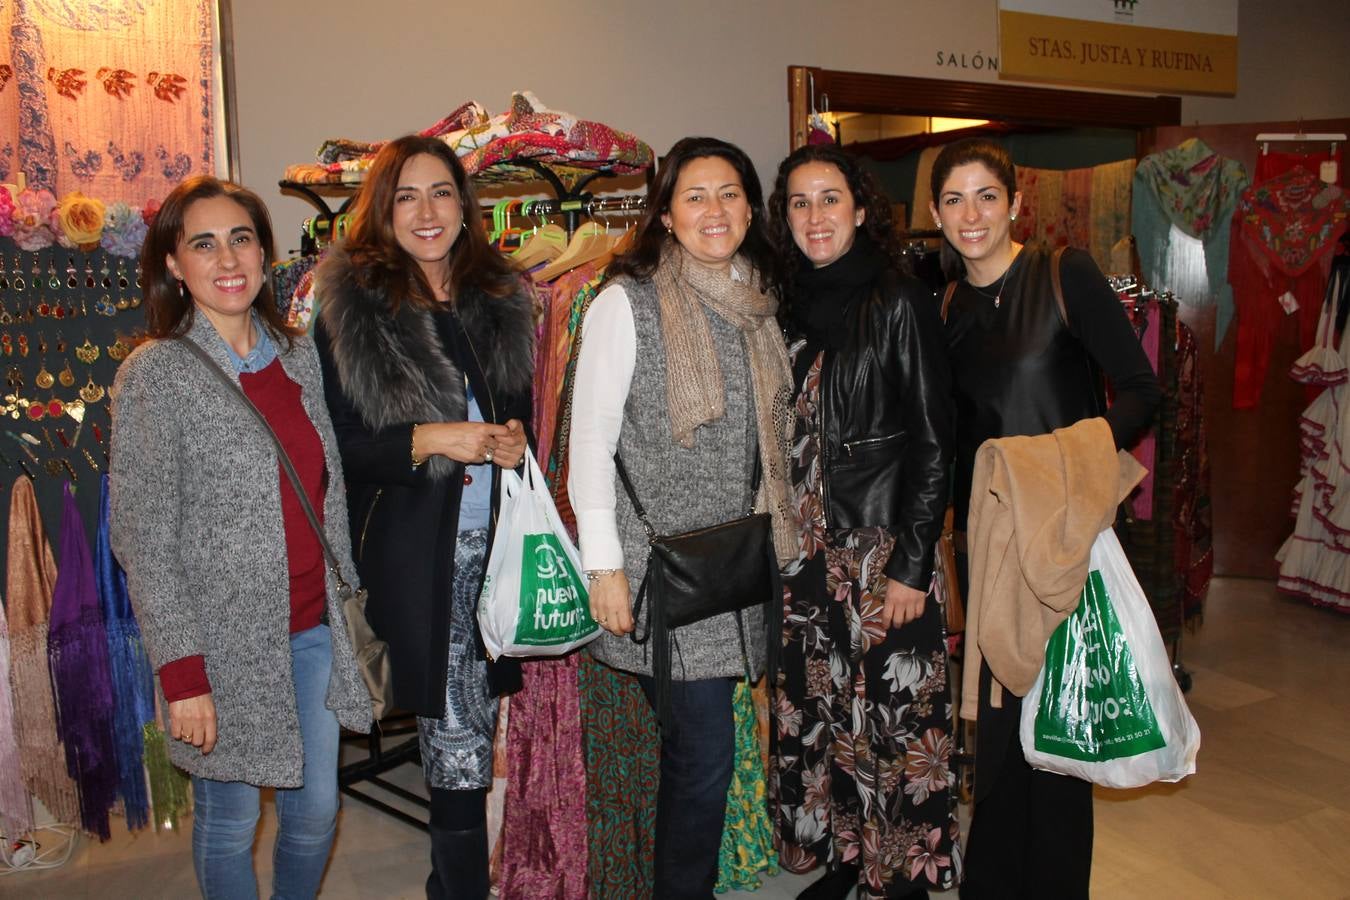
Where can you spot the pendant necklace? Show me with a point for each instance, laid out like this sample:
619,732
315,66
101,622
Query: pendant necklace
997,297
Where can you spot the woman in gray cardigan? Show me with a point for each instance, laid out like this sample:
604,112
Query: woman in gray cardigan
683,371
237,608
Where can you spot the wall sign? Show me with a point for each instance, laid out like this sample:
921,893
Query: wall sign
1152,45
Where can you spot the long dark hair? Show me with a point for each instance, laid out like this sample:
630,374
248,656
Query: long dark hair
384,267
868,195
994,157
641,261
168,311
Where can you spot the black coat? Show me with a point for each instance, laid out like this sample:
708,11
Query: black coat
383,374
886,410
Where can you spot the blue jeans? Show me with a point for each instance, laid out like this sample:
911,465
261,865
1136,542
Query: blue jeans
691,803
225,818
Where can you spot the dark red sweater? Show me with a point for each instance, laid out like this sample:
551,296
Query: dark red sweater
278,399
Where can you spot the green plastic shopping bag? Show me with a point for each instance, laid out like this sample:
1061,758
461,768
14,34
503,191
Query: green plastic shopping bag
534,600
1106,707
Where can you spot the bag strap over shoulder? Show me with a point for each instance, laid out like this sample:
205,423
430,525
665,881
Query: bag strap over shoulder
1058,281
233,387
947,298
642,510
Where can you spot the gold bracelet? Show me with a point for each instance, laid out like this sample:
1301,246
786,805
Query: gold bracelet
412,448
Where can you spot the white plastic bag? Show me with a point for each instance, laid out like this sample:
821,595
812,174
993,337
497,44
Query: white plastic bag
1106,707
534,600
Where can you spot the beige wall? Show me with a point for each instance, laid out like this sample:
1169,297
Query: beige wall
308,70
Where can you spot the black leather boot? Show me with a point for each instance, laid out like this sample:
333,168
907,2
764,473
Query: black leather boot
459,864
836,884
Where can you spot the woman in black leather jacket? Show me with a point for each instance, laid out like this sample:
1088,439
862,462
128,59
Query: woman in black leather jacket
863,754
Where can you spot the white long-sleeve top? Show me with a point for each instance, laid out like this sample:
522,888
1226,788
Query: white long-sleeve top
604,376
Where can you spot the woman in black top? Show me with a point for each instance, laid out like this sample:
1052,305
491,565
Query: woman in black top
862,761
1022,365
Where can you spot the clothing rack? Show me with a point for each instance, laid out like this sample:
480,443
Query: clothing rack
1157,536
586,204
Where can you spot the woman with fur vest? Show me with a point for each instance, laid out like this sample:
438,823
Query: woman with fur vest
426,338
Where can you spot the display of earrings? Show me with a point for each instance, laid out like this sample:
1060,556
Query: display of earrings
66,322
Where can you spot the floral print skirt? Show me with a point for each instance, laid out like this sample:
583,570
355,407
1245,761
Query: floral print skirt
862,771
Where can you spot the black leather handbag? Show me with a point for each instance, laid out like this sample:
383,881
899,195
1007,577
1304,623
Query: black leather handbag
694,575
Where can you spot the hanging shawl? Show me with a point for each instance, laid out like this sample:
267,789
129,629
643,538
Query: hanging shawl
1293,219
132,676
1194,189
32,574
16,808
77,650
168,783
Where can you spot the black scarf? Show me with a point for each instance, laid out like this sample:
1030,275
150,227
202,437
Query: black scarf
825,298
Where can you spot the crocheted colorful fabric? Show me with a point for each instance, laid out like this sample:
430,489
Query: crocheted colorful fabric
1196,190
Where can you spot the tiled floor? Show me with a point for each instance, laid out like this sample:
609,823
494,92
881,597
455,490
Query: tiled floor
1267,816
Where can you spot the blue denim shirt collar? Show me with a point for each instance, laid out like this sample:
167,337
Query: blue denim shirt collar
260,357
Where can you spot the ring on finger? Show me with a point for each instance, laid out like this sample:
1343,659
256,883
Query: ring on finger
487,455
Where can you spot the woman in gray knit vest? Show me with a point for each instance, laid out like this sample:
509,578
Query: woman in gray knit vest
684,372
238,610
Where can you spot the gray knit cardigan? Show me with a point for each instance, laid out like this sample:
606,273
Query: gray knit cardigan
195,519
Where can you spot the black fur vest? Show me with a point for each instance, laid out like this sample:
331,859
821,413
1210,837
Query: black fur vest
394,368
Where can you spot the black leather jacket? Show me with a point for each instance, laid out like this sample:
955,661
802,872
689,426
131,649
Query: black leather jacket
887,419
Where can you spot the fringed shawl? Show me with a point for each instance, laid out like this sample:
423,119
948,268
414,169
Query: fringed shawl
132,676
77,649
32,575
1196,190
16,808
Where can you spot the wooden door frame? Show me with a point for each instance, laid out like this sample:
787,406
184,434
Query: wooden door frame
864,92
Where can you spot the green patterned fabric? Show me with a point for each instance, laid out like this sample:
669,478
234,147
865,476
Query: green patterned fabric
169,786
747,835
622,773
1195,189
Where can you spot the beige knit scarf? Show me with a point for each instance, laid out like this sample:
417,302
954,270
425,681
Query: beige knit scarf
694,388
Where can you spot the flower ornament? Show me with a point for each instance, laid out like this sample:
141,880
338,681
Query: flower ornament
32,211
80,220
124,231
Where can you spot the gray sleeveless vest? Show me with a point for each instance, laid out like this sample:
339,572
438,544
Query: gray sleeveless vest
683,489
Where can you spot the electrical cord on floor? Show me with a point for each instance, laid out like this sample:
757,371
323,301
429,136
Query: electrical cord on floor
27,854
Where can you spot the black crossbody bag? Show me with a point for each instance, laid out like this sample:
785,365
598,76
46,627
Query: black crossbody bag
694,575
371,653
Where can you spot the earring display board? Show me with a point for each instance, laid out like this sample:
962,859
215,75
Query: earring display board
67,320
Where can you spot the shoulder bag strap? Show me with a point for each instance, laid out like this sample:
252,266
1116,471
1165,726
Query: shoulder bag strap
947,298
233,387
1058,281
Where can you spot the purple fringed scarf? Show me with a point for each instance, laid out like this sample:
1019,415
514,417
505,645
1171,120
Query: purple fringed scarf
132,676
16,809
77,648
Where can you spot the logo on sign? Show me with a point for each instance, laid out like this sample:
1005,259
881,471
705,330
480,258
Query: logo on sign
1125,8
